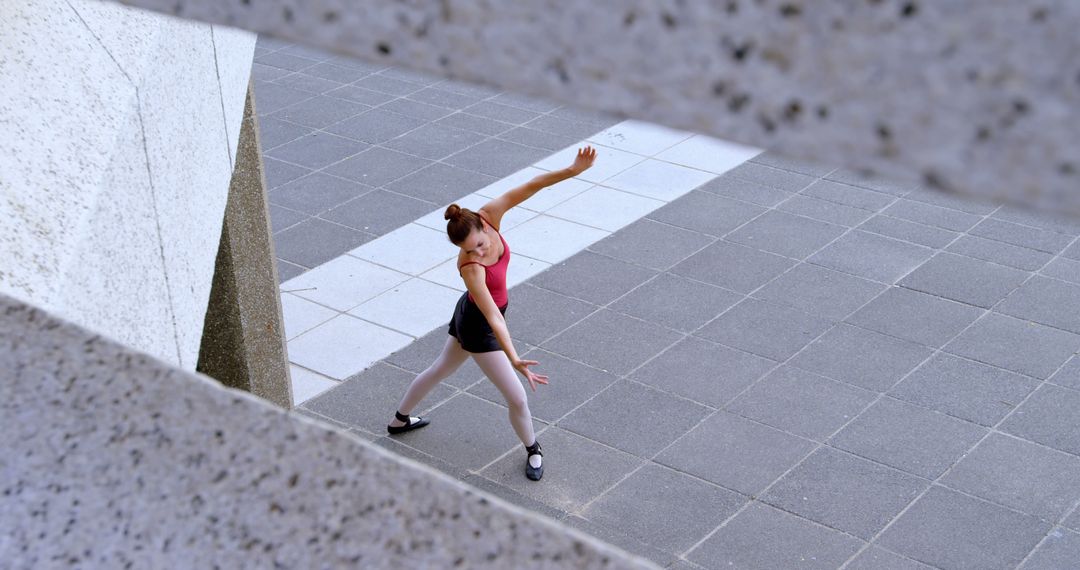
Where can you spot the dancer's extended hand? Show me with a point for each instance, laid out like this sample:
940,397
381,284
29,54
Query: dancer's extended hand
584,160
522,366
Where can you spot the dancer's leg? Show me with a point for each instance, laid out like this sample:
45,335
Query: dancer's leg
497,368
449,360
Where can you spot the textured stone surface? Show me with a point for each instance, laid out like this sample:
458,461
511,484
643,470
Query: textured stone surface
972,96
113,458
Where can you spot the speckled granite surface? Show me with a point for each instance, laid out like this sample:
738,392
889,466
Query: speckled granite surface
113,459
976,97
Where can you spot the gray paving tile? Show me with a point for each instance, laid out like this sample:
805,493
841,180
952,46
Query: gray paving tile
706,213
1063,268
304,82
286,270
299,50
745,190
1059,551
422,353
664,508
526,102
820,291
1000,252
1042,300
1054,221
499,112
317,150
443,98
871,256
1025,236
622,540
951,531
375,126
350,61
915,316
871,181
969,204
764,538
1024,347
1073,251
316,193
777,178
1051,416
1018,474
904,230
932,215
801,403
562,127
262,72
576,470
281,218
845,492
766,329
825,211
613,342
468,88
411,76
475,124
283,60
377,166
733,266
496,158
675,302
378,212
320,111
270,97
278,172
736,453
1073,520
964,279
440,184
969,390
652,244
369,399
274,132
570,385
848,195
512,496
537,314
703,372
785,234
538,139
592,277
388,85
360,95
861,357
434,141
802,166
416,109
596,118
658,418
314,242
907,437
467,432
875,558
1069,375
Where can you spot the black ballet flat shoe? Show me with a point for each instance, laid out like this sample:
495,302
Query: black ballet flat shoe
409,424
534,473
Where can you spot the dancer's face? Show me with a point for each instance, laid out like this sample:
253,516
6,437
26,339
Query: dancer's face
478,243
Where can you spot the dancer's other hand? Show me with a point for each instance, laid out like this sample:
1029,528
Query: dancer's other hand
522,366
584,160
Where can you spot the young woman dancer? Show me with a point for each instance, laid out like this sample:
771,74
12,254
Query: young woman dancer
477,327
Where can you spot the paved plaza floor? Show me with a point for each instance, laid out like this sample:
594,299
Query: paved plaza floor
755,362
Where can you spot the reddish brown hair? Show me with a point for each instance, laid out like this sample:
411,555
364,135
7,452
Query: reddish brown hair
462,221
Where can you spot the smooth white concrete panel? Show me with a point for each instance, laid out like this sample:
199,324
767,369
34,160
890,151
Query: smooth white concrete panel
344,345
60,110
415,307
301,315
411,249
609,162
640,137
307,384
509,182
605,208
343,282
659,180
553,195
447,275
550,239
709,154
523,268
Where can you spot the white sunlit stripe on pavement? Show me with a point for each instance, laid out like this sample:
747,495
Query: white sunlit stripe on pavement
376,299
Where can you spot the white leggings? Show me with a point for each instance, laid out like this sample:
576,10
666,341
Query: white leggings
495,365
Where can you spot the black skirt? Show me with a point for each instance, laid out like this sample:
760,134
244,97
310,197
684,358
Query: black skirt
470,327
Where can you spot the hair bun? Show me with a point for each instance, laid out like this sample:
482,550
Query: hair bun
453,211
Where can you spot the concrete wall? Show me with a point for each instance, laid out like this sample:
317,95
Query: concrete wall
120,128
972,96
112,457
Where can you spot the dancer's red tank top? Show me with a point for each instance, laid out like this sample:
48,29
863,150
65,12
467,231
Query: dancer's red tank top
495,274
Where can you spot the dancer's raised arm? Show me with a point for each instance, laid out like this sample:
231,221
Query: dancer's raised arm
495,209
